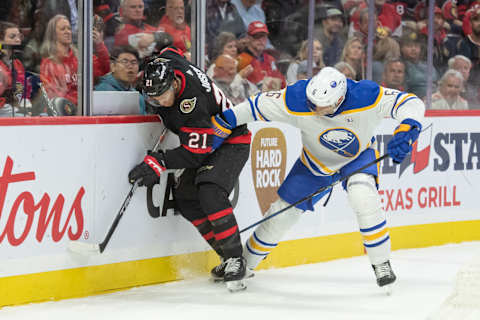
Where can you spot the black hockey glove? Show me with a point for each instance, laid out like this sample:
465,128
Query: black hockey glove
148,172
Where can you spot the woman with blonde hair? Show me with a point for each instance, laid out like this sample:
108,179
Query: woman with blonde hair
59,66
302,55
354,54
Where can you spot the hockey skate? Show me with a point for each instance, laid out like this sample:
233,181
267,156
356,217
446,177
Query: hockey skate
218,272
234,276
385,276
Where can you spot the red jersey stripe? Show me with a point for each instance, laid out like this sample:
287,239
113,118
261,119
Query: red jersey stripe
220,214
198,221
197,130
226,233
197,150
243,139
208,236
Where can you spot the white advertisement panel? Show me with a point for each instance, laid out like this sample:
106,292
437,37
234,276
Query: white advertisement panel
67,182
438,182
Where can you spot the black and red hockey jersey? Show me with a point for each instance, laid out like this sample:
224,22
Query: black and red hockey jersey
190,116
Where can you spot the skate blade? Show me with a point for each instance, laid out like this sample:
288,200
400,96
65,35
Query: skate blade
248,275
388,289
216,280
235,286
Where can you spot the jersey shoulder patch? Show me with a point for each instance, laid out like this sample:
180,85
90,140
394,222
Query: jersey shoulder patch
296,98
360,95
187,105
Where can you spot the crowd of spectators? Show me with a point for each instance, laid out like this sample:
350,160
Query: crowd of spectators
251,46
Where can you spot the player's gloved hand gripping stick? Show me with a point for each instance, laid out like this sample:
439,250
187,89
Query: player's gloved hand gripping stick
86,248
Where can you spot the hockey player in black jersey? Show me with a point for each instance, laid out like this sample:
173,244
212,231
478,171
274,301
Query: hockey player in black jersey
187,100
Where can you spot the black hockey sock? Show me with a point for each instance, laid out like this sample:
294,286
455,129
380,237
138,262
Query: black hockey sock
205,228
215,203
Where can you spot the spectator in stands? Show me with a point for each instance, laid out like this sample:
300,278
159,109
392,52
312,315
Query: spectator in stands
232,84
262,63
384,49
463,65
331,35
134,31
250,11
354,54
470,46
453,18
440,52
59,66
388,20
6,109
123,77
108,11
448,95
222,16
173,23
346,69
359,25
13,74
100,52
394,74
302,55
416,67
31,54
226,44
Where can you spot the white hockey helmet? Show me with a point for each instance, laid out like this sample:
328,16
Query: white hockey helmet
327,88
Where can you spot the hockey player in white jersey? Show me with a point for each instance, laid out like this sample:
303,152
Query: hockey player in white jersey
337,118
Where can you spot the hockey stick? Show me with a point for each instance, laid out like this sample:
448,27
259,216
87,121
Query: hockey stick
90,248
316,192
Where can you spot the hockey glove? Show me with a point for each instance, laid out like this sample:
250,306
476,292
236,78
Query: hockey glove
148,172
221,131
403,137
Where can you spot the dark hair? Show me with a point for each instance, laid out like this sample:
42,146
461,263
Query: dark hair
117,51
4,25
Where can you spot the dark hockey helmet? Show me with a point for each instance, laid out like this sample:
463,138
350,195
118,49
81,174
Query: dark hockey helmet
157,77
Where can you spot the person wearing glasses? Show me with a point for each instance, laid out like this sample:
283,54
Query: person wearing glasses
124,68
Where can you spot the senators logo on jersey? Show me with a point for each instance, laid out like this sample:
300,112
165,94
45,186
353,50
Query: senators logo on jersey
187,105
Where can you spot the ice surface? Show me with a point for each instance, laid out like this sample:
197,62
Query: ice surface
342,289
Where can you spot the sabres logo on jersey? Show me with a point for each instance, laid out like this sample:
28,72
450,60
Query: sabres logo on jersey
340,140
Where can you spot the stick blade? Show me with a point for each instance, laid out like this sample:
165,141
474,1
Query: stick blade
83,247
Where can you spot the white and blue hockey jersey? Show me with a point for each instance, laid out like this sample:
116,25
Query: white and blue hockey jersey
332,141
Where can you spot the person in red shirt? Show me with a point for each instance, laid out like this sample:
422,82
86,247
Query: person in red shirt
173,23
265,73
388,19
14,78
133,29
59,66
